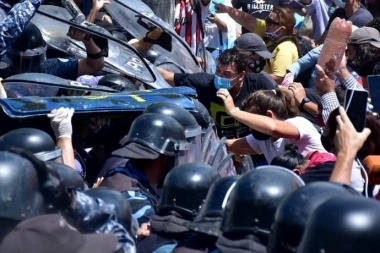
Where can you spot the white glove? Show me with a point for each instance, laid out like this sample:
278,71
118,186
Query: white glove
60,121
3,94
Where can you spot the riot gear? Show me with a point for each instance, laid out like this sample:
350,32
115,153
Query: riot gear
294,211
117,82
69,177
192,129
19,188
344,224
210,216
152,134
29,50
33,140
255,197
185,188
202,115
123,210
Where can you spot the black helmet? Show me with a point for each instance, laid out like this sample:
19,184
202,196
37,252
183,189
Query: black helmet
117,82
19,188
344,224
152,134
70,178
202,115
210,216
33,140
292,214
192,130
255,197
29,50
185,188
123,210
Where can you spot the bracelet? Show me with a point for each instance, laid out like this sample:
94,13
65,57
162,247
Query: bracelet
95,56
234,111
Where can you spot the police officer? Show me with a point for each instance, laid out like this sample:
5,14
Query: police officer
292,214
184,191
206,226
248,218
28,54
154,144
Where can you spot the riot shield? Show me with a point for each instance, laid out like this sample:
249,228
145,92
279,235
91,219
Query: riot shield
164,9
133,16
44,85
220,153
54,22
244,164
226,166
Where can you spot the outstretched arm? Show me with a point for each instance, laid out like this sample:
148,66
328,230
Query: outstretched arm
241,17
167,75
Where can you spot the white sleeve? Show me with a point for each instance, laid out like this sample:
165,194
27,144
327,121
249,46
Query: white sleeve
253,143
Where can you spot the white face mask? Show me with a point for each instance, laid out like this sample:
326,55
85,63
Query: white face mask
272,35
340,3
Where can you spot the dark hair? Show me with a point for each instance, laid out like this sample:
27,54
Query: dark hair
234,56
365,60
290,159
340,91
281,103
286,18
374,23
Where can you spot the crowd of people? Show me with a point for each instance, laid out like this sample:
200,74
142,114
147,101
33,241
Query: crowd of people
268,160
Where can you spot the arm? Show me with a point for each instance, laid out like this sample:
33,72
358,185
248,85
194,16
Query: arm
265,124
95,60
167,75
13,25
215,18
348,142
97,5
307,61
299,94
277,79
241,17
239,147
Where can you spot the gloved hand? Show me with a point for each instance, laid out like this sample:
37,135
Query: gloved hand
60,121
51,186
288,79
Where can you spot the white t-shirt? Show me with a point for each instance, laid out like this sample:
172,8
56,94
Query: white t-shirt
310,140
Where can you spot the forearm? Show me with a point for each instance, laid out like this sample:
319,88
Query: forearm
92,16
311,108
244,19
67,151
343,167
92,49
348,80
221,25
167,75
277,79
329,102
239,147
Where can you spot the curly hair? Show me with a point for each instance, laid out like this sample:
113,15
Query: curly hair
286,18
234,56
365,60
279,102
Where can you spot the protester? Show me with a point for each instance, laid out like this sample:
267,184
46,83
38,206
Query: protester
230,74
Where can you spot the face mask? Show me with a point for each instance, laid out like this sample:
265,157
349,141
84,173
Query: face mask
259,135
222,82
340,3
257,66
272,35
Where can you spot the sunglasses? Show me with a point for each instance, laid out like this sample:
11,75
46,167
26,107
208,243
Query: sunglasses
270,21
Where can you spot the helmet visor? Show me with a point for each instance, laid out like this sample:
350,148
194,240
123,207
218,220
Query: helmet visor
29,60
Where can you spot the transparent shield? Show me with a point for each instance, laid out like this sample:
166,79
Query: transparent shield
209,145
226,166
220,153
244,164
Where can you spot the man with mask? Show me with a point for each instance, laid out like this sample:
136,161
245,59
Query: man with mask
230,74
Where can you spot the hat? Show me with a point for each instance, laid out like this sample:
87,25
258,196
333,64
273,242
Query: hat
253,42
365,35
136,151
50,233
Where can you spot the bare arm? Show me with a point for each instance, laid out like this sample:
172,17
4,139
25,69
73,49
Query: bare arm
239,147
265,124
241,17
277,79
67,151
97,5
348,142
167,75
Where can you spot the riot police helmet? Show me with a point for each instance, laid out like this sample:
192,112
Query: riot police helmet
19,188
193,131
70,178
117,82
293,213
254,200
34,140
152,134
29,50
202,115
122,207
346,224
185,188
210,215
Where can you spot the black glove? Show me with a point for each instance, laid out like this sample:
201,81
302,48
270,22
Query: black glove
51,187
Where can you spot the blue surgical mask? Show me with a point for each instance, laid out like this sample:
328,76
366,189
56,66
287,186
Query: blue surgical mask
272,35
222,82
340,3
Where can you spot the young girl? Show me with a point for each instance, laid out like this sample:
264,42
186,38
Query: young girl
272,117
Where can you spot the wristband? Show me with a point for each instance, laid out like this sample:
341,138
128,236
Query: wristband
95,56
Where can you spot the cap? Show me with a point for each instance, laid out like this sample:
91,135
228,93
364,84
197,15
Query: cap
365,35
253,42
51,233
136,151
